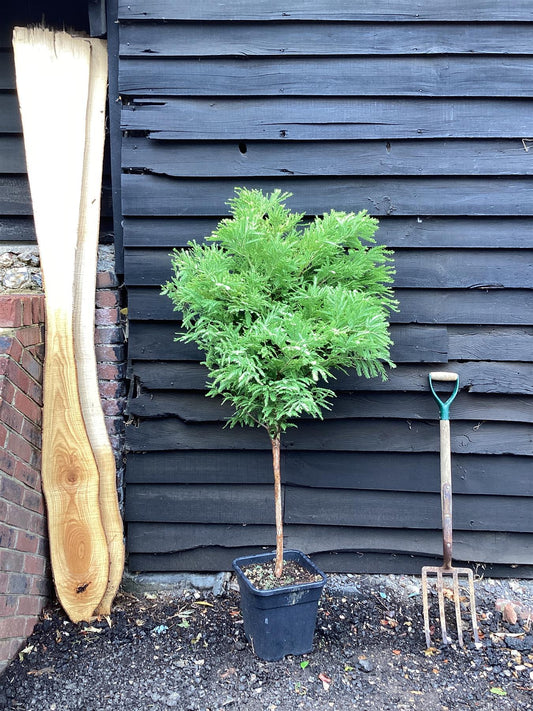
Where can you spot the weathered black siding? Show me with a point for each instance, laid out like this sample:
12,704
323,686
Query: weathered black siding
422,114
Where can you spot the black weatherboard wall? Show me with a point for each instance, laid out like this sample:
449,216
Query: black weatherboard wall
422,114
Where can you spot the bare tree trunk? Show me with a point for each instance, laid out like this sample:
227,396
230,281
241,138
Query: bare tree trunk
276,444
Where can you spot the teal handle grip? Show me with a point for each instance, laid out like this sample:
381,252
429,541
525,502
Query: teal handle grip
444,407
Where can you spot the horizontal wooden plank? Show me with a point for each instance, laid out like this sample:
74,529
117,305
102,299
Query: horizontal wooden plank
323,118
485,76
269,158
198,503
150,195
217,558
15,196
17,229
225,503
196,407
481,343
477,377
9,114
363,11
326,507
396,232
481,475
7,71
438,306
170,537
383,563
337,435
12,158
198,39
155,341
429,268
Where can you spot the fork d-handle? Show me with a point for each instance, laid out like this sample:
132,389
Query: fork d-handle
445,462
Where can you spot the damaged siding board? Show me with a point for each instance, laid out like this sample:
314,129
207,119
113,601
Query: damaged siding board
328,10
327,118
198,39
420,113
457,75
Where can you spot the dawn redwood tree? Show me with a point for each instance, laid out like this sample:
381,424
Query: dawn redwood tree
277,305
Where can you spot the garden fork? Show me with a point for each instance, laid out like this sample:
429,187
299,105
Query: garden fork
446,505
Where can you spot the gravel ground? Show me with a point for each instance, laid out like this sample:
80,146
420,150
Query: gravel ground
186,650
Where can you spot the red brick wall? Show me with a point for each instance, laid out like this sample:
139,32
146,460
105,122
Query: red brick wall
25,582
24,576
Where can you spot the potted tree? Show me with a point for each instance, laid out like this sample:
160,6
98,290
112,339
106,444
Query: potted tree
277,305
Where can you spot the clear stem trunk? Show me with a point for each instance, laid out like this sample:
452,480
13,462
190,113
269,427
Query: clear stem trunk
276,446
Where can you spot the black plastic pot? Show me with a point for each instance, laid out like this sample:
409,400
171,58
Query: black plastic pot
281,621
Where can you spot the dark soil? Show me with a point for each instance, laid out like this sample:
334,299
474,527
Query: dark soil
188,651
262,575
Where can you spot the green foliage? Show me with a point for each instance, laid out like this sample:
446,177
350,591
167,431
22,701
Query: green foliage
277,306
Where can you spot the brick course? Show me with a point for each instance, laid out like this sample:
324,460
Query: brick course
25,580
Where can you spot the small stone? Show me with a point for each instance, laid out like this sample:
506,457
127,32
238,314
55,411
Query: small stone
509,614
6,259
240,645
172,699
365,665
17,278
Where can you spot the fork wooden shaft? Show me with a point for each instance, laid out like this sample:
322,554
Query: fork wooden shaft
446,492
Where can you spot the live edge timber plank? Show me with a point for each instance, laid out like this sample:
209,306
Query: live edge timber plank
428,268
154,340
415,232
217,558
483,475
339,507
196,407
460,76
389,509
341,435
501,547
199,39
322,118
479,377
328,10
150,195
281,159
506,307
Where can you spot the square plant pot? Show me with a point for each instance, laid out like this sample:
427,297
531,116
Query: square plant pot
280,621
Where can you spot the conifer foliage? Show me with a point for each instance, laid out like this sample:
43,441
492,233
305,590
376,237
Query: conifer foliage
278,305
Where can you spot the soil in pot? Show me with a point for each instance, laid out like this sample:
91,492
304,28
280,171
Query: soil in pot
262,577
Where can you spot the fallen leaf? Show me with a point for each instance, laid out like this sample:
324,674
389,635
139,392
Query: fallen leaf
39,672
86,630
396,651
431,651
229,672
150,596
304,664
498,691
26,650
326,681
203,602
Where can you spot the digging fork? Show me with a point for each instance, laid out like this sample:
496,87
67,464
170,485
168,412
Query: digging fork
446,505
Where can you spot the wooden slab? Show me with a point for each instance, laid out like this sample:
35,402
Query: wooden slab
84,299
53,73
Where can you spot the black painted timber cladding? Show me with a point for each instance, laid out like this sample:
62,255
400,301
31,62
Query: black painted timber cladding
421,113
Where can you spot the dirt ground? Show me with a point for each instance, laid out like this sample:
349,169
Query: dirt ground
187,651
